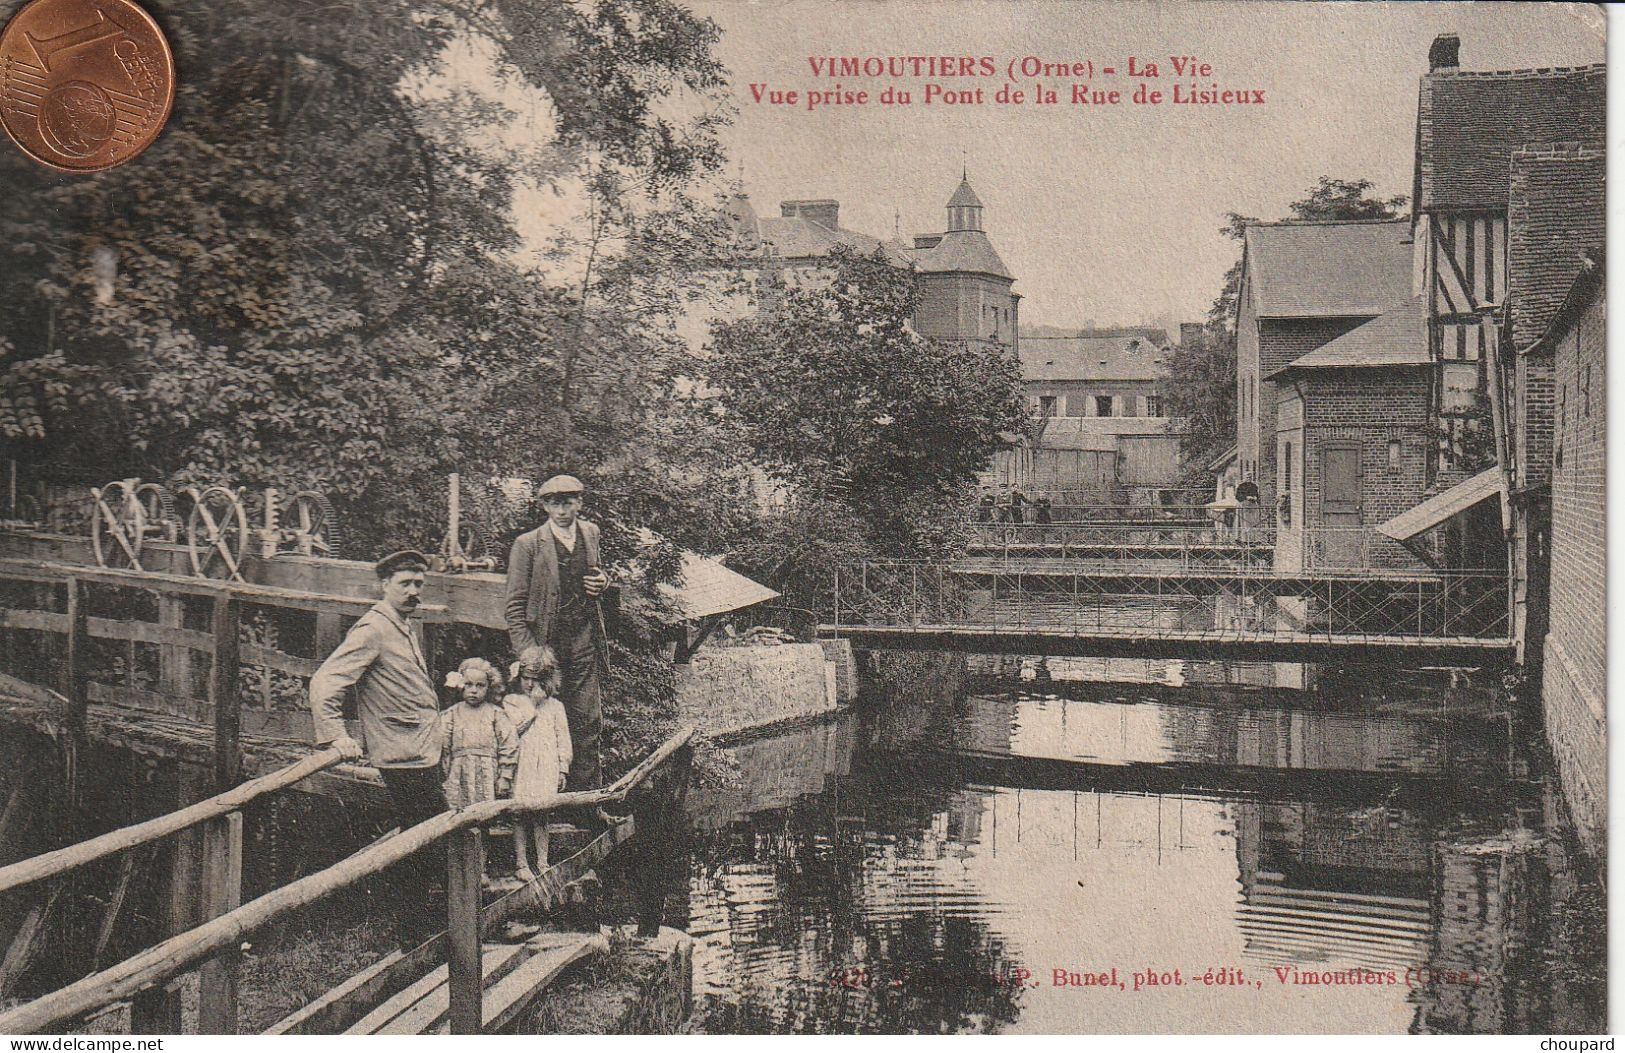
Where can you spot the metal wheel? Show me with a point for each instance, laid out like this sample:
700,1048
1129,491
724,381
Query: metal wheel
309,518
475,540
158,505
118,525
217,533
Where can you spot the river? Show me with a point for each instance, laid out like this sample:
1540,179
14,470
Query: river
1016,845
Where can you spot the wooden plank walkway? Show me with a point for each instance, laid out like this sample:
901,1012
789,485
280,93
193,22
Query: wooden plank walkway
514,975
1281,645
342,1008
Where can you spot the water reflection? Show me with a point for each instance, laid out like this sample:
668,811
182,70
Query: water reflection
930,866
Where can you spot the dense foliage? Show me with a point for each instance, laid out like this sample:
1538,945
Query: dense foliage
311,279
873,432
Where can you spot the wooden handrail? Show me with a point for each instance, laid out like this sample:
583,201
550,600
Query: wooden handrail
162,961
50,864
249,592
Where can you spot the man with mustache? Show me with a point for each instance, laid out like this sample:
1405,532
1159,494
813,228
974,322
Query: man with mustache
400,725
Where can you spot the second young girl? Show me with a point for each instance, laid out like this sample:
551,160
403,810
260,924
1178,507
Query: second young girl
536,713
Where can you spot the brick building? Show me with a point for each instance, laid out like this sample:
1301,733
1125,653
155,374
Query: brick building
1555,210
1304,284
1352,442
1574,680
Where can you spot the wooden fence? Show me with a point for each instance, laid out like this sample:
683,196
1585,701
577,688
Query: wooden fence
212,947
230,656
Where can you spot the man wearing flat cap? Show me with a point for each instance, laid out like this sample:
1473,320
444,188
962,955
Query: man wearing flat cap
399,713
554,581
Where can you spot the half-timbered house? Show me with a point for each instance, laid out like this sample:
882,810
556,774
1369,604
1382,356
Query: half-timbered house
1469,123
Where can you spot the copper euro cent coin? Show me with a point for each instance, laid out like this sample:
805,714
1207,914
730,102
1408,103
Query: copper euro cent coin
84,84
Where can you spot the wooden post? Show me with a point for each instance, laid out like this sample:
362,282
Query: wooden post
222,893
224,693
429,637
157,1010
76,660
175,660
465,866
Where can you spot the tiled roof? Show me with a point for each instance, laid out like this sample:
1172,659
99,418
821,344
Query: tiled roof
1337,269
1555,213
1155,335
964,197
1111,358
1586,291
1397,337
799,238
962,251
1469,123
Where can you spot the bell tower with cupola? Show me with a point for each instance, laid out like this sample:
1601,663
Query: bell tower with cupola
966,290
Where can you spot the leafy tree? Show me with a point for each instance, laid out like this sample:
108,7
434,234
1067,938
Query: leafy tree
313,279
1200,390
1201,380
1346,199
308,279
875,431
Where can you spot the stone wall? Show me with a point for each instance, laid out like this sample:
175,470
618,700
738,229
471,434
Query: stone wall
730,689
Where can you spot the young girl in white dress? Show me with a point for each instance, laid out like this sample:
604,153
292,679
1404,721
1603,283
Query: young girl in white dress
538,717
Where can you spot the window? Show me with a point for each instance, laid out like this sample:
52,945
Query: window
1585,390
1153,405
1394,450
1103,405
1562,425
1046,405
1286,483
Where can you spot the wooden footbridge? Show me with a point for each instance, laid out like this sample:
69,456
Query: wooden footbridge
208,677
483,987
1123,608
1149,542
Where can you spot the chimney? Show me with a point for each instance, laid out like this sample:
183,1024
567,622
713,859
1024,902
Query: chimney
824,212
1190,334
1445,52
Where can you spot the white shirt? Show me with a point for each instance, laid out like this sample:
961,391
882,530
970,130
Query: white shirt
566,537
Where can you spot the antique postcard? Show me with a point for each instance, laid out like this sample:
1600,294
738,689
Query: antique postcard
802,517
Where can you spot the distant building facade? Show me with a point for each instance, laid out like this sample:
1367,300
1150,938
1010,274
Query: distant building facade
966,293
1095,372
1100,430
